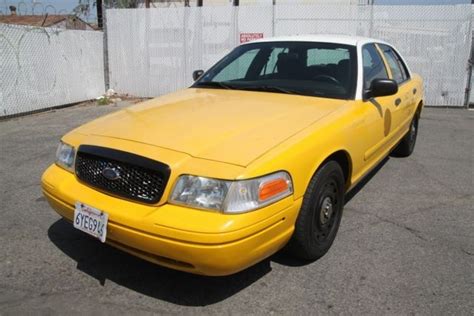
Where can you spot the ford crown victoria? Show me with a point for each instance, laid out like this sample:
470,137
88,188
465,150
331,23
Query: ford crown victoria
257,155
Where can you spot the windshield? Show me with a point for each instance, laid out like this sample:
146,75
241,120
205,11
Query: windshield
303,68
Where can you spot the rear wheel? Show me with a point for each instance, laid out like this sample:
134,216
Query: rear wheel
407,144
320,214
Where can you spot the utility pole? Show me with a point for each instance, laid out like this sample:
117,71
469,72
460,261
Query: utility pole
103,20
470,63
100,18
199,3
147,4
273,17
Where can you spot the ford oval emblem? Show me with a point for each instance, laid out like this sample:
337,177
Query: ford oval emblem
111,173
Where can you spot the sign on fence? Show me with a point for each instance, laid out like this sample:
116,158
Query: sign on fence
248,37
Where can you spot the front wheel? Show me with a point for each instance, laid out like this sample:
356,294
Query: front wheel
407,144
320,213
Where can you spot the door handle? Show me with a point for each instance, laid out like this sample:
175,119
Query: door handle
398,101
414,91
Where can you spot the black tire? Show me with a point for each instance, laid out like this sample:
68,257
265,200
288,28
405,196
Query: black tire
320,214
407,144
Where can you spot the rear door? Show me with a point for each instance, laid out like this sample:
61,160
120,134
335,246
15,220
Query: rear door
405,98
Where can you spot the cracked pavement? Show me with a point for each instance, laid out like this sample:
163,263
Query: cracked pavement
405,246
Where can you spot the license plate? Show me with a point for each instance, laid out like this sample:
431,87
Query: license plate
91,220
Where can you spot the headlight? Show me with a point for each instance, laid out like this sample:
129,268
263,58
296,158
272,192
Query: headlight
65,156
231,196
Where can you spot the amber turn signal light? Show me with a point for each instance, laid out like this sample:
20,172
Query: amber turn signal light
272,188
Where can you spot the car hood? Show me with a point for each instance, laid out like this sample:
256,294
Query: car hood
229,126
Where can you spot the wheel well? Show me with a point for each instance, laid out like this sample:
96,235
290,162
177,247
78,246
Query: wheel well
344,160
419,108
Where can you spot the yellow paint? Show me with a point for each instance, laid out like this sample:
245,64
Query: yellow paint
226,134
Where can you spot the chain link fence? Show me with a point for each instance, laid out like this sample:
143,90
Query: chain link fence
151,52
435,40
47,67
154,51
47,59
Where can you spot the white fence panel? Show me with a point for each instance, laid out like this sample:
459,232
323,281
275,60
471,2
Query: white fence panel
218,36
47,67
154,51
435,40
293,19
255,20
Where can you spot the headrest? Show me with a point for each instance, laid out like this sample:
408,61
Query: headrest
343,63
288,63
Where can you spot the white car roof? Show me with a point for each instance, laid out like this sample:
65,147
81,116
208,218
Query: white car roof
325,38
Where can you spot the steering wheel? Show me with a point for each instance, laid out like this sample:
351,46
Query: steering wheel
327,78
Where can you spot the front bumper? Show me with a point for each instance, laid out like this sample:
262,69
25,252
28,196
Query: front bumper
185,239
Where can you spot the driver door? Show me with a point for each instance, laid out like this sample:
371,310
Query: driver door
377,112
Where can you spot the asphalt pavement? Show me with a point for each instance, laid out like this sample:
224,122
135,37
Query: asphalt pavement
405,246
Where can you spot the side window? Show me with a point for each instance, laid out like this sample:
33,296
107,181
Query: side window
374,68
399,70
238,68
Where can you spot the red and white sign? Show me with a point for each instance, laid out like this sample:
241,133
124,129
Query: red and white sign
248,37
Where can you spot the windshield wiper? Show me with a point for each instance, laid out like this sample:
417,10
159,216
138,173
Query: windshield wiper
265,88
213,84
271,89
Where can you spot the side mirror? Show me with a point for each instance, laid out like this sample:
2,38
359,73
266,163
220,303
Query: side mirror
381,88
197,74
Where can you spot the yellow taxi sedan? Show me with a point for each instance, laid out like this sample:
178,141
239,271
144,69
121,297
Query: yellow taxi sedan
255,156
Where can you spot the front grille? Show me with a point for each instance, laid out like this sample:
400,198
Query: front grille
121,173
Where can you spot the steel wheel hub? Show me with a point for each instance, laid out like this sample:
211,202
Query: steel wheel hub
326,210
